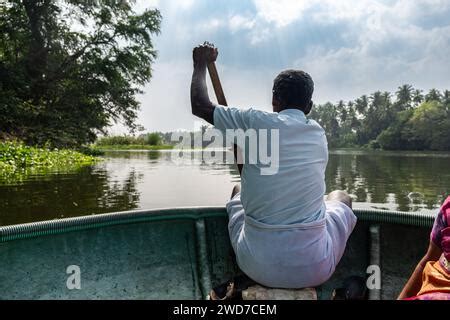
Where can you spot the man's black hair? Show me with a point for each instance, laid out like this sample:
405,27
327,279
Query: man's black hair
293,88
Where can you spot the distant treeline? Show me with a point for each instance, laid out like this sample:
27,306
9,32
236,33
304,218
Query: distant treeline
156,139
151,139
406,120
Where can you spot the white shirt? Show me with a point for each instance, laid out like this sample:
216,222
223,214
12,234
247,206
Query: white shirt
295,193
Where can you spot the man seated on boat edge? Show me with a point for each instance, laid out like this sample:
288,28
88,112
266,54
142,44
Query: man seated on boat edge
283,232
431,277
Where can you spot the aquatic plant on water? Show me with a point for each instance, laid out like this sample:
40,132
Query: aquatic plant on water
16,156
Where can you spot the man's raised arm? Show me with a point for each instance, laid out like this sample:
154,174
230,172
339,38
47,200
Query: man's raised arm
202,106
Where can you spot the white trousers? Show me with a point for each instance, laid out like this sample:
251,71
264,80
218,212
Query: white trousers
290,256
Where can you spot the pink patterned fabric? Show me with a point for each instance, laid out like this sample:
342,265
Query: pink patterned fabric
436,276
441,223
445,232
431,296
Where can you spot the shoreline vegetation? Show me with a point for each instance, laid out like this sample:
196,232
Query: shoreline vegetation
134,147
406,120
16,157
150,141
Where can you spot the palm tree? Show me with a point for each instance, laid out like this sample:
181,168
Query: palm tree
361,105
329,120
404,97
433,95
417,97
341,109
353,120
446,98
446,103
379,116
376,101
386,96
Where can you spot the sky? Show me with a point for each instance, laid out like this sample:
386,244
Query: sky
349,47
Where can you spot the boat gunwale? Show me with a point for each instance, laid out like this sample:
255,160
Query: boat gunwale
58,226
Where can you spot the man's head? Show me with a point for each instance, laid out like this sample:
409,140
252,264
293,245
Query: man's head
292,89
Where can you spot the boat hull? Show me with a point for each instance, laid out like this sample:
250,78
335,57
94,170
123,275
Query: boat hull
178,254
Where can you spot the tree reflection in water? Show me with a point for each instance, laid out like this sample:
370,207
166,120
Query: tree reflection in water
148,179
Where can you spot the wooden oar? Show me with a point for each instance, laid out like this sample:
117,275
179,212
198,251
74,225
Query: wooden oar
214,75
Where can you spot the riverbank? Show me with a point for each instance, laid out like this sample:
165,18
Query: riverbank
15,156
133,147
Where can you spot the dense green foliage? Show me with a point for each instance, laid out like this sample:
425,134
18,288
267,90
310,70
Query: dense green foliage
153,139
16,156
119,141
411,121
68,69
134,147
149,141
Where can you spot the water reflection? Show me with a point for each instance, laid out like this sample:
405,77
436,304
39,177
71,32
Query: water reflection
154,155
87,190
154,179
406,182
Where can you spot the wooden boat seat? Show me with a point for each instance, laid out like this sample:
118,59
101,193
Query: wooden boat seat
258,292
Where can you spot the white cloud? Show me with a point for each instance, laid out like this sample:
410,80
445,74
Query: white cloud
185,4
281,12
389,47
211,25
284,12
412,9
238,22
352,48
380,62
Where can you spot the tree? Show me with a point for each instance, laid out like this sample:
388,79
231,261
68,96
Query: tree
404,97
378,117
446,98
429,127
433,95
354,123
361,104
392,138
417,97
327,116
348,123
153,139
70,69
376,121
342,111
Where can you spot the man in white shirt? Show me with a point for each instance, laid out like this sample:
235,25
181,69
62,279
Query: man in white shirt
283,232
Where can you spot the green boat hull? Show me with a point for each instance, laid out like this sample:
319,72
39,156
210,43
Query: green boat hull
180,254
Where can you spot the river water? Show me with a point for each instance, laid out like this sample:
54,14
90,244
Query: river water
124,180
